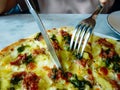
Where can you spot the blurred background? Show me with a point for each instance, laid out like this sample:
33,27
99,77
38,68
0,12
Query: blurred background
58,6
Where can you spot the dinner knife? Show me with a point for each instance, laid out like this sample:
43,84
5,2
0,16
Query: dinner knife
44,33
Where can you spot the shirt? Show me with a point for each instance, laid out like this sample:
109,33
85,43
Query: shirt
61,6
70,6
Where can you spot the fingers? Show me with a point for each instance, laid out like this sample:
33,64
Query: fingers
104,2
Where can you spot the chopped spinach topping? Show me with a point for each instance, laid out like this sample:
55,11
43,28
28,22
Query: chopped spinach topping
11,88
21,48
61,88
28,59
66,47
54,71
15,80
108,62
77,55
53,37
80,84
67,39
37,36
116,62
116,58
116,67
107,51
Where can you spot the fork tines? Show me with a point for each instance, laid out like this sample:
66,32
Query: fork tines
80,37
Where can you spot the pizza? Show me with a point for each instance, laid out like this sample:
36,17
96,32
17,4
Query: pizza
27,64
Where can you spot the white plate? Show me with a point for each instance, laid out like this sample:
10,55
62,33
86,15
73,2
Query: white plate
114,21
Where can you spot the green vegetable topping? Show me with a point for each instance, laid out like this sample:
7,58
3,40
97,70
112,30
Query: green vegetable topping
80,84
54,73
67,39
37,36
28,59
21,49
115,60
107,51
53,37
116,67
108,62
11,88
66,47
77,55
15,80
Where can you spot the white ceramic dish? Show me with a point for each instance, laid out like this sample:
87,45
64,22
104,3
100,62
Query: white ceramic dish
114,21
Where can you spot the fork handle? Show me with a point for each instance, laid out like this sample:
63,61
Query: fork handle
97,11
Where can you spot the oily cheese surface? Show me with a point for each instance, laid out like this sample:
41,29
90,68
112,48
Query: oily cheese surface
27,64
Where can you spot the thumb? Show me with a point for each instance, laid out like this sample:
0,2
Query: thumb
104,2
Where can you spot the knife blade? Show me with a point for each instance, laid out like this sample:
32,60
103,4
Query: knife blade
44,34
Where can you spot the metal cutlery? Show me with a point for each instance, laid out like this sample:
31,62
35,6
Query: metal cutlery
44,33
83,31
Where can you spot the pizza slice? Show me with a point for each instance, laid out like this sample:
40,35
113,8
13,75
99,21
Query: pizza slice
106,66
27,64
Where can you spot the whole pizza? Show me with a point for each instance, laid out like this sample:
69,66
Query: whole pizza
27,64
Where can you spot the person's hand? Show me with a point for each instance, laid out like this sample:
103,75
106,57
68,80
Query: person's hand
107,4
104,2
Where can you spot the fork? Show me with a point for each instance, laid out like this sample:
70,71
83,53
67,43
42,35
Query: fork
83,31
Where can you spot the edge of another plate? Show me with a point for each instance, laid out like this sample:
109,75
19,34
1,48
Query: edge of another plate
112,26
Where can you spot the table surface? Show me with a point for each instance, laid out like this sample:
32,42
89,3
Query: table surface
15,27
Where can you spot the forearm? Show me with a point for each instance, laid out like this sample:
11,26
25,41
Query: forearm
6,5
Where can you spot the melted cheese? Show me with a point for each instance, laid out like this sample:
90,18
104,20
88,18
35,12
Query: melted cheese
67,59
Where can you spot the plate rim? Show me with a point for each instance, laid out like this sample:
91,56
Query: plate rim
108,22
